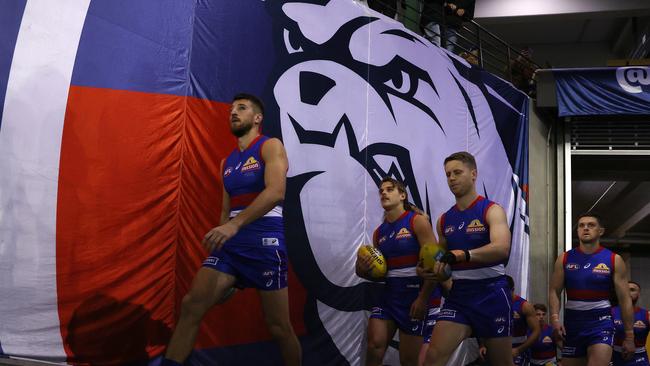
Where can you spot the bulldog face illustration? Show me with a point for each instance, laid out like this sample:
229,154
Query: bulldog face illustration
361,98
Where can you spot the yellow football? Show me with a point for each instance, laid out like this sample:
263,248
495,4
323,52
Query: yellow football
430,254
378,268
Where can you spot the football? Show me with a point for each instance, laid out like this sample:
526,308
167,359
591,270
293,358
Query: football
430,254
378,268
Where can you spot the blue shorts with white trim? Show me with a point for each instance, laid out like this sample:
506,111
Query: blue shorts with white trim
262,268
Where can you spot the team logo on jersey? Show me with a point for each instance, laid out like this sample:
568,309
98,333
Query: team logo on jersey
227,171
572,266
639,324
403,234
476,226
547,339
601,268
449,230
250,164
515,315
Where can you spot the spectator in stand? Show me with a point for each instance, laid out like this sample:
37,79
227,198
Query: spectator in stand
438,15
471,56
523,70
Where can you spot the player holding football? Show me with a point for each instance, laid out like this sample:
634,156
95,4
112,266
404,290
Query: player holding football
475,231
403,305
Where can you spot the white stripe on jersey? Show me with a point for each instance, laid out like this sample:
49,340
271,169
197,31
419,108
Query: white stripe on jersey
478,273
275,212
586,305
402,272
519,340
636,350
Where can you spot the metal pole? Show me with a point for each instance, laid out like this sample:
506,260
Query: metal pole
509,65
480,47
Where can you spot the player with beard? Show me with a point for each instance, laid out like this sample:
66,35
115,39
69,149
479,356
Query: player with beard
247,248
406,297
641,327
588,273
475,232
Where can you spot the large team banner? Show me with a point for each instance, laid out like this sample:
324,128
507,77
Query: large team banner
114,121
603,91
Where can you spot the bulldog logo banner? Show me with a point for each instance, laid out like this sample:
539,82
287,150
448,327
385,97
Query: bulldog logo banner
114,124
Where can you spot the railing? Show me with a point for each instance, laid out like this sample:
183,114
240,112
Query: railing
471,41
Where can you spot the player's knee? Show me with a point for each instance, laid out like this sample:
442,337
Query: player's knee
501,360
280,329
194,305
436,353
408,359
376,349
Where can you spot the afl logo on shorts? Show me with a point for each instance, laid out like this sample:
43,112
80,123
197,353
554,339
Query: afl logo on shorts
601,268
250,164
547,339
476,226
227,171
639,324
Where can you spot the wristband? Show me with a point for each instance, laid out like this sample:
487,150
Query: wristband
468,255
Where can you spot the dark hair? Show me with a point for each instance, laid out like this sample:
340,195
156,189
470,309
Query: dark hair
255,101
594,215
635,283
511,282
464,157
402,189
541,307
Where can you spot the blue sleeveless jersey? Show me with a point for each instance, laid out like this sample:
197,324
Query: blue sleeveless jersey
588,280
468,229
543,351
519,324
641,328
243,179
399,245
